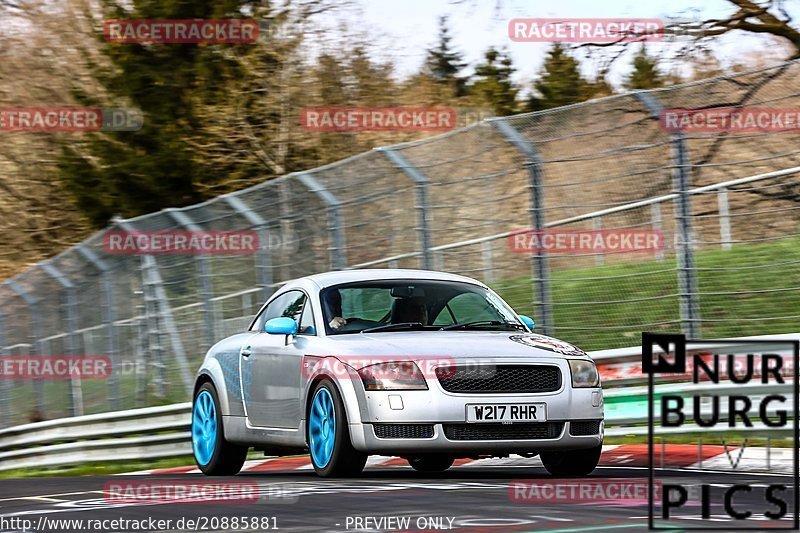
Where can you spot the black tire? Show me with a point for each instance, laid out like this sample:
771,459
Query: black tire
345,460
431,463
228,458
572,463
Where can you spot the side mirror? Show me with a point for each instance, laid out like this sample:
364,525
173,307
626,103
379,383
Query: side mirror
528,321
282,325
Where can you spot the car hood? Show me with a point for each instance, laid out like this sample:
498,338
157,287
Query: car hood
455,344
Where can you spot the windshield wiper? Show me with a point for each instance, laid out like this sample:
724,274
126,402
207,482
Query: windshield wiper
399,325
482,323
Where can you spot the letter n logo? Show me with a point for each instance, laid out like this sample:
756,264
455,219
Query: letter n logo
663,363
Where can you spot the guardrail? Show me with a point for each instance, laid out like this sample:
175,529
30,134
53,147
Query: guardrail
149,433
160,432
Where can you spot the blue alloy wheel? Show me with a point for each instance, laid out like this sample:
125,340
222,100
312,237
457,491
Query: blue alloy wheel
204,427
322,428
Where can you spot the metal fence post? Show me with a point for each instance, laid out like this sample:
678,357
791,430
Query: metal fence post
681,184
487,257
420,202
597,225
70,307
204,277
141,354
438,260
108,308
5,389
263,257
541,272
655,213
151,280
35,338
335,219
724,219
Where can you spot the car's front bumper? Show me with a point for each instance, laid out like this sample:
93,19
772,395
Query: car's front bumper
438,408
365,439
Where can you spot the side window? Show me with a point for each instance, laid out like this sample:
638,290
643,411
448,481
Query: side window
293,306
289,305
467,307
306,326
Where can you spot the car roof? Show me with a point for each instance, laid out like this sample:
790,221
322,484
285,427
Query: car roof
348,276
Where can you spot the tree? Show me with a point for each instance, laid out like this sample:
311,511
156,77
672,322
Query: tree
693,38
770,18
444,64
217,117
36,217
645,73
560,82
372,81
130,173
493,84
330,78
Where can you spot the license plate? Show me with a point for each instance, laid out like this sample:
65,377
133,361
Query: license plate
507,412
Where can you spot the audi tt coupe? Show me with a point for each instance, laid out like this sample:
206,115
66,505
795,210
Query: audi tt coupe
423,365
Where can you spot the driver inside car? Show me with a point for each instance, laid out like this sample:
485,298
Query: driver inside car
333,307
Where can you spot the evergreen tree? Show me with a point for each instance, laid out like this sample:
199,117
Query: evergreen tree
330,77
444,64
645,73
493,84
560,82
131,173
372,81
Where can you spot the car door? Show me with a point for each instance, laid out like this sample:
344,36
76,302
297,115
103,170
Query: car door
271,368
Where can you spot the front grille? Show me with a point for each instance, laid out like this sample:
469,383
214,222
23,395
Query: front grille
487,379
584,427
524,431
403,431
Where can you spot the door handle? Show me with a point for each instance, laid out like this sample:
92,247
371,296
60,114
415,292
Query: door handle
247,352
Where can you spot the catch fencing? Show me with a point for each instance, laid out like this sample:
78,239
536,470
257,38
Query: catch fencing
727,203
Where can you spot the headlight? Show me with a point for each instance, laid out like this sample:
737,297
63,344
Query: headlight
584,373
400,375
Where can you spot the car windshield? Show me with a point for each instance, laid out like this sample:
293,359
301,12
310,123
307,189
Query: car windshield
408,305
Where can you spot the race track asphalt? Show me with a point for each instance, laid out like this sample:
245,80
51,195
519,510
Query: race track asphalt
464,498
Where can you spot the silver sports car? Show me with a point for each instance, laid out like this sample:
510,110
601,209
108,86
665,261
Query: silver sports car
423,365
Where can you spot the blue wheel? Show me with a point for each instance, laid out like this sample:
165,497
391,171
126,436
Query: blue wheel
213,454
332,452
204,428
322,428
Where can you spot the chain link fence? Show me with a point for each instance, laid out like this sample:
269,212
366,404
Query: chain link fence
727,204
